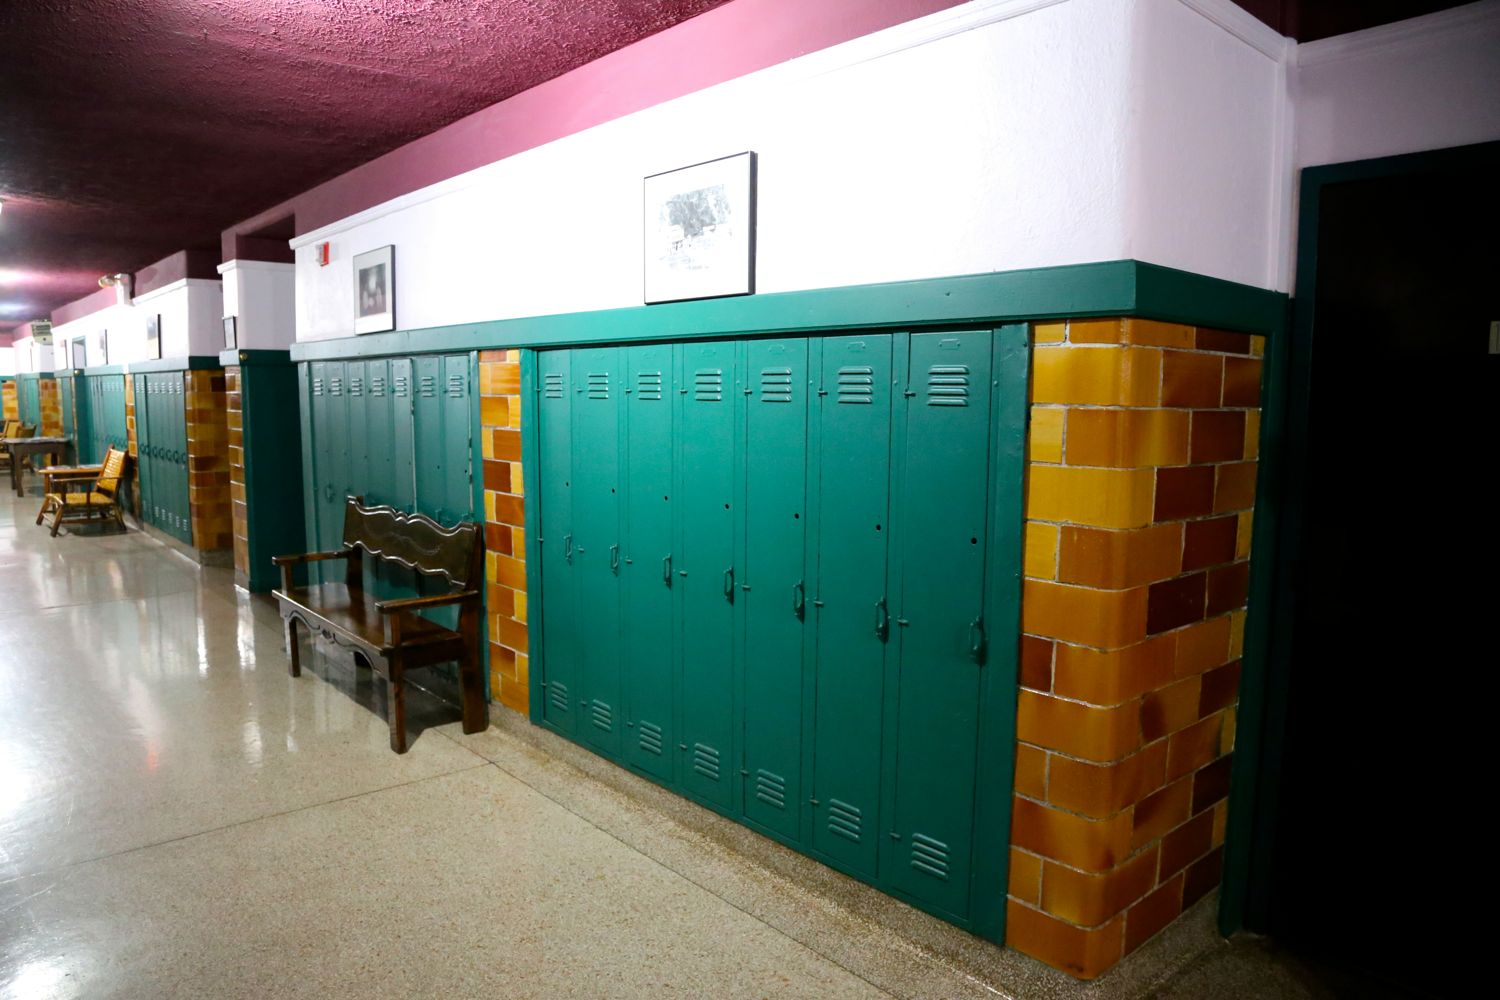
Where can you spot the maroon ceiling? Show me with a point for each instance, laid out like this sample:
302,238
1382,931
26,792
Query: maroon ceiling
131,129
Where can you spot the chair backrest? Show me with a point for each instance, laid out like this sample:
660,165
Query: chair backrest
27,430
111,472
12,428
417,542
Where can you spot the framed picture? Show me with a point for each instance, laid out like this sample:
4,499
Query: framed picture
153,337
231,333
700,230
80,349
103,347
375,291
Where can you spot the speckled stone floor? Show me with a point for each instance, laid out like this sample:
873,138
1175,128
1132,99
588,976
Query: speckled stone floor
179,818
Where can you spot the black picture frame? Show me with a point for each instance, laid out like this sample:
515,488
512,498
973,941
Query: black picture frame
231,333
78,352
153,337
698,230
375,290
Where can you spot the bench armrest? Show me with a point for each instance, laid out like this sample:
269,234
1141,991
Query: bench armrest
417,603
307,557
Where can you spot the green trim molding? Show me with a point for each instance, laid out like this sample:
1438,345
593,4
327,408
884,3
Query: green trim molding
246,358
105,370
194,362
1113,288
1254,796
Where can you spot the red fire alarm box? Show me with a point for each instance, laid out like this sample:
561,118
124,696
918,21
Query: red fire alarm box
322,251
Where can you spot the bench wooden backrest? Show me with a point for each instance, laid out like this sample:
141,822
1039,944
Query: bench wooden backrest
415,541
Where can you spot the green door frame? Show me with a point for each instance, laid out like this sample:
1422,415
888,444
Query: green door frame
1255,788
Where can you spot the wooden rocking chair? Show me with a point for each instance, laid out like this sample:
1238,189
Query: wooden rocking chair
98,502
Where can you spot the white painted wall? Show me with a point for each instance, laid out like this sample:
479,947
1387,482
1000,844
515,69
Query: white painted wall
1426,83
7,360
999,135
191,312
262,297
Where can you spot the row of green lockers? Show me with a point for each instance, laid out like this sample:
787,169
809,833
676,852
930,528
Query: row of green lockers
763,580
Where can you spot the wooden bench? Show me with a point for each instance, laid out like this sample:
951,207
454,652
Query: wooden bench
389,634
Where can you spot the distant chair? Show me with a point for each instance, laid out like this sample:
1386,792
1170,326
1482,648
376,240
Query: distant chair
99,502
14,429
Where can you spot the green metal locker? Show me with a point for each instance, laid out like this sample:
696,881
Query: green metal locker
379,463
851,607
357,401
403,442
146,467
458,441
65,400
708,420
431,489
646,581
555,539
596,542
938,571
773,593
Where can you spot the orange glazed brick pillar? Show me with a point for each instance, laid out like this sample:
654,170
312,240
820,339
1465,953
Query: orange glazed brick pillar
208,461
505,526
132,445
1141,480
49,400
10,401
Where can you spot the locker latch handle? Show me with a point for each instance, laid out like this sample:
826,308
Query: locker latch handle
666,570
799,599
614,559
729,585
976,639
568,549
882,620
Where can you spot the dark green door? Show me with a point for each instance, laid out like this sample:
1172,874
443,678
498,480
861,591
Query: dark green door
705,583
851,607
773,593
647,573
555,539
933,683
596,541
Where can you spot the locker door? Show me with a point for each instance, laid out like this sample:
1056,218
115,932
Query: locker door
705,582
355,389
379,487
184,495
851,608
428,433
458,441
555,494
144,445
65,401
647,574
403,437
774,591
596,541
335,476
939,546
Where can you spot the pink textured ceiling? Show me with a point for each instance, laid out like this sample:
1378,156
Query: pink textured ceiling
133,128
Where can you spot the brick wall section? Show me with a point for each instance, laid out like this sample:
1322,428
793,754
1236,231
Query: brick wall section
239,512
10,401
49,400
208,460
1143,443
504,529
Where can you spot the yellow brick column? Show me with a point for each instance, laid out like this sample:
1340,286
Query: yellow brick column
234,423
505,526
1140,482
10,401
49,399
208,460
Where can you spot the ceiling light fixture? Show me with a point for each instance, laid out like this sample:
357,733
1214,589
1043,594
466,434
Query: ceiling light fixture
121,283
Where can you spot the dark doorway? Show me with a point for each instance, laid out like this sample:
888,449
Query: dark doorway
1385,645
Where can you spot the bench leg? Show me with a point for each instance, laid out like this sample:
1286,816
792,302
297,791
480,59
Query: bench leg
476,711
395,686
293,648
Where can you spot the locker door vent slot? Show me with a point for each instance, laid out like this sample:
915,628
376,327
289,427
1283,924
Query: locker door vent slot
776,385
318,386
558,692
929,856
706,761
598,385
377,385
948,385
356,386
845,820
651,741
335,386
857,384
401,384
648,385
427,386
770,789
456,386
708,385
554,386
603,717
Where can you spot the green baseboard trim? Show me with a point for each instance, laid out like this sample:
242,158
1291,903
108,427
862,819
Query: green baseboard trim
1110,288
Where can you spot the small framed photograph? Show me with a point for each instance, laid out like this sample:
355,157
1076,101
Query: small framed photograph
80,352
103,347
231,333
700,230
375,291
153,337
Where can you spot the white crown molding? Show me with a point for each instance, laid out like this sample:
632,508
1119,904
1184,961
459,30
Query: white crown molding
1427,29
175,286
877,45
255,265
1245,26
